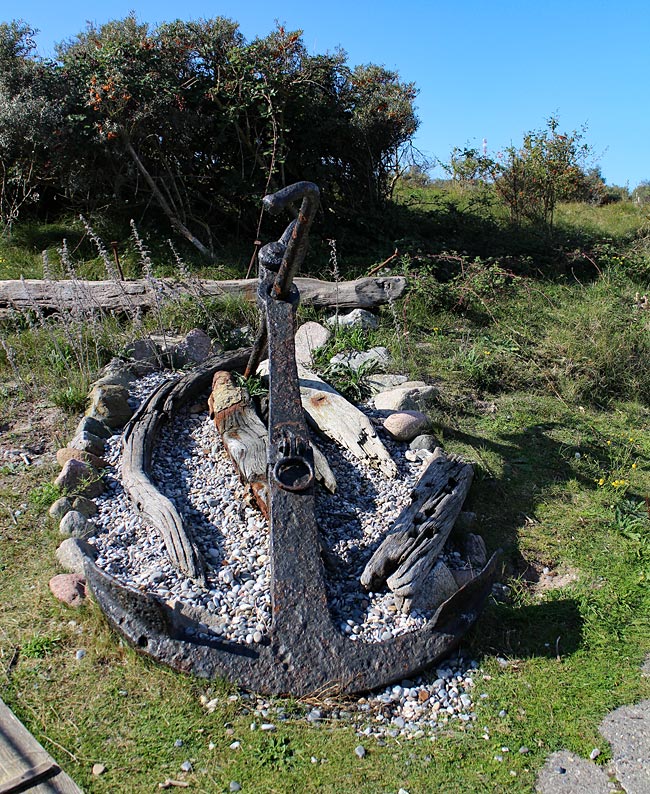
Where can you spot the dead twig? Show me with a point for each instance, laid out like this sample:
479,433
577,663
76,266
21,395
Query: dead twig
378,267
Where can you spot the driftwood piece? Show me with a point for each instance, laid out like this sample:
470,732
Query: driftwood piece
245,438
138,441
409,552
364,293
244,435
339,420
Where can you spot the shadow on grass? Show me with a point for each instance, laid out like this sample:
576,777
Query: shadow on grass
547,629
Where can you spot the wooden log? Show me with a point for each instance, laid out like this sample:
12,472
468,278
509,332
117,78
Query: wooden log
245,438
244,435
137,443
341,421
127,296
406,556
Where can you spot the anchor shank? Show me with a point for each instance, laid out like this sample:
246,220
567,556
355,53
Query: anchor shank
298,587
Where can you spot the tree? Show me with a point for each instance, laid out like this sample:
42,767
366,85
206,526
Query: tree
192,120
547,168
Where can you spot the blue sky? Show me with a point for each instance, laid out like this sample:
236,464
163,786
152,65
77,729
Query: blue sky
483,70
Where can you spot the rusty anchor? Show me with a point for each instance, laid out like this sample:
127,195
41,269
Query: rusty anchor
305,652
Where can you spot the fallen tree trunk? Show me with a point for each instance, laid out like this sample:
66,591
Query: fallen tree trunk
408,554
140,294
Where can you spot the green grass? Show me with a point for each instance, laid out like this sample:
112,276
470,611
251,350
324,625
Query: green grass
542,383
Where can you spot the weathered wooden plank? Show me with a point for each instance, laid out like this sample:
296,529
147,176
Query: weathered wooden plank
24,764
407,555
137,443
139,294
341,421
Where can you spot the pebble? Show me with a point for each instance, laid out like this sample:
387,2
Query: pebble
98,769
593,755
235,745
234,786
178,743
186,766
80,654
360,751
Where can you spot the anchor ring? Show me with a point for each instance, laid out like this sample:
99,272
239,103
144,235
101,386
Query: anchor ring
293,473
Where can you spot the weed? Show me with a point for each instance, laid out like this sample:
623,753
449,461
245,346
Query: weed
276,752
253,384
351,382
42,496
39,646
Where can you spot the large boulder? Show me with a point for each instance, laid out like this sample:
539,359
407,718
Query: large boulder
72,552
75,524
357,318
59,508
194,349
95,426
436,588
88,442
410,396
67,453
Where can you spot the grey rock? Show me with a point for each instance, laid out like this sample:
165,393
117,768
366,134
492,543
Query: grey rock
465,522
357,318
194,349
95,426
234,786
377,358
59,508
144,351
425,441
360,751
475,550
438,587
310,337
110,405
406,425
72,552
85,506
116,376
80,654
80,478
379,382
73,524
627,729
88,442
186,766
410,396
566,773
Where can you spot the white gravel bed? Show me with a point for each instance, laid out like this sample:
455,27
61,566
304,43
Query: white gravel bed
191,467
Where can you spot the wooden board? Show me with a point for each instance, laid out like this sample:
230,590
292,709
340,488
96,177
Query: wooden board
22,759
